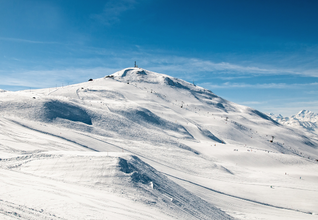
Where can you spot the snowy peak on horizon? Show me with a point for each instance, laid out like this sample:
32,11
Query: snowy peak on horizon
306,115
303,115
302,120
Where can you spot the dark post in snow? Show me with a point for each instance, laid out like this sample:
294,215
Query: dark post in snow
136,65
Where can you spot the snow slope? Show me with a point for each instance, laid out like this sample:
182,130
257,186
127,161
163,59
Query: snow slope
143,145
116,174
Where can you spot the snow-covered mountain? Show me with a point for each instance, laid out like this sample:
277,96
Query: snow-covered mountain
142,145
305,120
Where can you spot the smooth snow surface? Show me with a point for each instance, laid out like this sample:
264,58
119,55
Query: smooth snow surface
143,145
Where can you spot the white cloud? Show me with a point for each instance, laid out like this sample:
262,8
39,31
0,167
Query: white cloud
290,108
193,67
228,85
190,68
178,66
52,78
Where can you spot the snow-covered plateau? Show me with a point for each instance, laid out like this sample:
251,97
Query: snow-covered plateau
143,145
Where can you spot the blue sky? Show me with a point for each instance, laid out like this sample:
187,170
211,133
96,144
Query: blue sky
262,54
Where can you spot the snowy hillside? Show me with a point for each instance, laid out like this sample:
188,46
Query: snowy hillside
304,120
142,145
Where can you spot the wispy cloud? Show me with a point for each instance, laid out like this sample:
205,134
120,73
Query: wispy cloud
233,77
285,106
192,67
253,103
186,67
189,69
290,108
113,9
312,92
52,78
228,85
224,66
27,41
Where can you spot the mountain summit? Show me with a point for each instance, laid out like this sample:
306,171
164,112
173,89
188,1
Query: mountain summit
141,75
306,115
143,145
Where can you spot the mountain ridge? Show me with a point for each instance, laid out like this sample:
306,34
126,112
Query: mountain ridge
304,119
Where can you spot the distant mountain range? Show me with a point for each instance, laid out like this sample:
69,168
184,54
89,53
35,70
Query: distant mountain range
302,120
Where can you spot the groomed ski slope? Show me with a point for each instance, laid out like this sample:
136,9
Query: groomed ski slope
143,145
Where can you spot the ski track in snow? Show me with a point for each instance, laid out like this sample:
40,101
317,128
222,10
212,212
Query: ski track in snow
15,211
54,135
233,196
